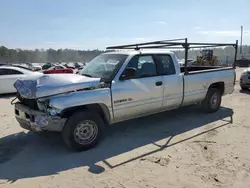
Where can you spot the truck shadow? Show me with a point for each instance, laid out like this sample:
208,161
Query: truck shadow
26,155
246,91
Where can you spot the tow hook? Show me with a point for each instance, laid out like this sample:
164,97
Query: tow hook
13,101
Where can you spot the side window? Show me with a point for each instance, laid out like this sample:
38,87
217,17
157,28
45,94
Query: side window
144,65
11,72
3,72
166,64
58,67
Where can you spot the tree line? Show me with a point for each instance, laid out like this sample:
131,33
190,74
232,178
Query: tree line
43,56
69,55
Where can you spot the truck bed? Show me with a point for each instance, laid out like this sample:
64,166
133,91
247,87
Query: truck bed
199,79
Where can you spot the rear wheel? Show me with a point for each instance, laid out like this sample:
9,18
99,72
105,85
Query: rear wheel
212,101
83,130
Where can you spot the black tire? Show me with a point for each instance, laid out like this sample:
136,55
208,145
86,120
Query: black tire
243,87
209,104
71,130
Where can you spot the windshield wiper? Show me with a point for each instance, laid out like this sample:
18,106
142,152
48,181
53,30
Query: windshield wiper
88,75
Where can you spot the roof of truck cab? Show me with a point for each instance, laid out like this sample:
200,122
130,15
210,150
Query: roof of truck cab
135,52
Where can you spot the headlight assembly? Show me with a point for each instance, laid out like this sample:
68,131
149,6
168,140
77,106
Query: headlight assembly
42,104
52,111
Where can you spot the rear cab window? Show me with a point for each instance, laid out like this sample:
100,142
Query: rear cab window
165,64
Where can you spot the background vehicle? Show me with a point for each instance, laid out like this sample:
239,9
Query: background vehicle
207,58
46,66
8,76
190,62
245,79
119,86
77,65
58,69
70,65
37,68
22,67
79,70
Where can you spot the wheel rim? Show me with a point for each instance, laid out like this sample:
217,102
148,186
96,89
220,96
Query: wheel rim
214,100
86,132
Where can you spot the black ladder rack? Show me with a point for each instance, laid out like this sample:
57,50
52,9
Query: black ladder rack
174,44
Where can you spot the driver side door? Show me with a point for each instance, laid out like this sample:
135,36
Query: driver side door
140,95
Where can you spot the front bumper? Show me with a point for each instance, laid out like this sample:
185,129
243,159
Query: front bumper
37,121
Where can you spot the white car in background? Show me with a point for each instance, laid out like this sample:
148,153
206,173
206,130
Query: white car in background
8,76
245,79
37,68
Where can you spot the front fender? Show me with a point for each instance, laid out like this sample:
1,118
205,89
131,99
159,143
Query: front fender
80,98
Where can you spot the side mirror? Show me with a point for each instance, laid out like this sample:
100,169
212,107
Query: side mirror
128,73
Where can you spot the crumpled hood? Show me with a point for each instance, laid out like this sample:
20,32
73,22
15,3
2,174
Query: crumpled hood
38,86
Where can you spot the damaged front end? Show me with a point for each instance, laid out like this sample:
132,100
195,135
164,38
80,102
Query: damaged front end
37,121
33,111
54,84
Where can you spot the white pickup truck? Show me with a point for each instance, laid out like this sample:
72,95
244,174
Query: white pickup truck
114,87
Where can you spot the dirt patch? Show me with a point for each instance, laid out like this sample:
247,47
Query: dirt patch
157,160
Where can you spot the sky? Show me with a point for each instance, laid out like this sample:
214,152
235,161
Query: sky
95,24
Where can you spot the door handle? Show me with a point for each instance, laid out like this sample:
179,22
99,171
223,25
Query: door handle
159,83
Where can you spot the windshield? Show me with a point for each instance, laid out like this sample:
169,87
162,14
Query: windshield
103,66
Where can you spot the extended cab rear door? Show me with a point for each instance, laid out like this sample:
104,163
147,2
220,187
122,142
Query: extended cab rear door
172,79
141,95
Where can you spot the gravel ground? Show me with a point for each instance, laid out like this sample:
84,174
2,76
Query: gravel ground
184,148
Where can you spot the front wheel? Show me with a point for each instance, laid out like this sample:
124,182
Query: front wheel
212,101
82,130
